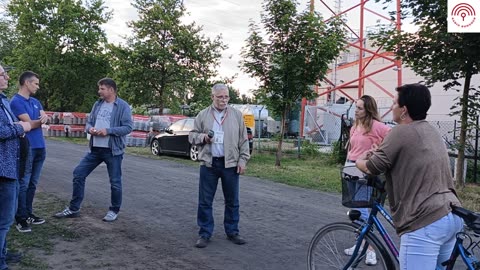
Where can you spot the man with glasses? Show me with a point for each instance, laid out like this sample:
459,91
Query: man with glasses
220,133
10,131
29,109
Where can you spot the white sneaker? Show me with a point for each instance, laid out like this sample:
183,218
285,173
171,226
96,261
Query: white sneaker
371,258
110,216
349,251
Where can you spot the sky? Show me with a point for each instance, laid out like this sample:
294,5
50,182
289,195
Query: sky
230,19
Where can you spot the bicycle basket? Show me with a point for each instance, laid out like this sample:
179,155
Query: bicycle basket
356,192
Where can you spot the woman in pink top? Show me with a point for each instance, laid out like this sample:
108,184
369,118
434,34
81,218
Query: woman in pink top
367,133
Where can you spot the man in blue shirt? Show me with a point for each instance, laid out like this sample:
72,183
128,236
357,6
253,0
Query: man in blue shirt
109,123
28,109
10,131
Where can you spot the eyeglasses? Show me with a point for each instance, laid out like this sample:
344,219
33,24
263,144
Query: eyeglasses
4,75
222,97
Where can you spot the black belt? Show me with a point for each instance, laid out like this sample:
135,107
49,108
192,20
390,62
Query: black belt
218,158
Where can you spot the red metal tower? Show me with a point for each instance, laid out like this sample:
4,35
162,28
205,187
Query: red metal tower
365,53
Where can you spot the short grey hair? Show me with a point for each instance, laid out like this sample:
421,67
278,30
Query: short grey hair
219,86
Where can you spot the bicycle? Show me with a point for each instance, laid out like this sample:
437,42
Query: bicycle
327,247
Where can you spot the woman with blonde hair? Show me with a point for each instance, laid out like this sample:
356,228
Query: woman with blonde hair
366,134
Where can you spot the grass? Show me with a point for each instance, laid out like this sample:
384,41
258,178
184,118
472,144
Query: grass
312,172
470,196
44,237
303,172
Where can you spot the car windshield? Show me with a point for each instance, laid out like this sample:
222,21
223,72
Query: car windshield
177,125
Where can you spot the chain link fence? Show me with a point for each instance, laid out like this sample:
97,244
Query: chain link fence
323,127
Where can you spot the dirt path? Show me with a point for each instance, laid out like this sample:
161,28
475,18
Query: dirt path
157,228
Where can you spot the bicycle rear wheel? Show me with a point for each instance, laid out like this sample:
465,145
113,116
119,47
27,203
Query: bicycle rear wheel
326,250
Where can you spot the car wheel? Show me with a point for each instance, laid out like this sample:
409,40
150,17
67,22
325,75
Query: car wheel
194,152
155,148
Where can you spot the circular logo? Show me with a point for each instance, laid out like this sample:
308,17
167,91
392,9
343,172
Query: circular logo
463,15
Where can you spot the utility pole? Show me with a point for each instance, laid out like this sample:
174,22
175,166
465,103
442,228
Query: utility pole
304,100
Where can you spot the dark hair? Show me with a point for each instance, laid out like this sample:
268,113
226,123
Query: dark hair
371,112
417,99
108,82
27,75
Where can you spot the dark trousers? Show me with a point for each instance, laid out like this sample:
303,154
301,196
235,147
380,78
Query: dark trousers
208,186
8,205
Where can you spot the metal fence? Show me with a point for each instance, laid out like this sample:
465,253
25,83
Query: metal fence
323,126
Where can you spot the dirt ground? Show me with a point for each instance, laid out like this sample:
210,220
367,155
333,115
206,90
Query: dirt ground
156,228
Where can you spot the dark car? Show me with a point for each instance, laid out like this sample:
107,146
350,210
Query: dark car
174,140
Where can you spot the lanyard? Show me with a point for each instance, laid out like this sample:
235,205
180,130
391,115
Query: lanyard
223,118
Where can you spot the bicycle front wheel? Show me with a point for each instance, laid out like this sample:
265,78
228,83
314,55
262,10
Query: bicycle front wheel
328,247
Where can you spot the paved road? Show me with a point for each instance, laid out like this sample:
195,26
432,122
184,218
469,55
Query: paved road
159,204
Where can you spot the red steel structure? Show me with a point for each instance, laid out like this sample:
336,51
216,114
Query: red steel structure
366,55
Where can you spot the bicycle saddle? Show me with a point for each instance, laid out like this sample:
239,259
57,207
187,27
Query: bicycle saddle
471,219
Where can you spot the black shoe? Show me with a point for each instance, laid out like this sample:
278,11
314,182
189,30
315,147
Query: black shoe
13,257
202,242
236,239
32,219
23,227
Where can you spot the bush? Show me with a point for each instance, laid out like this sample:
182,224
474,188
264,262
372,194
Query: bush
309,149
471,171
339,153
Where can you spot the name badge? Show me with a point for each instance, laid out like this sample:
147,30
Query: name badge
218,138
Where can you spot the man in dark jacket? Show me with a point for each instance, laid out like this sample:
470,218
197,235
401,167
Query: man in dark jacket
10,131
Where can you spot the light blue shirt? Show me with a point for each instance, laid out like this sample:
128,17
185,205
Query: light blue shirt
104,117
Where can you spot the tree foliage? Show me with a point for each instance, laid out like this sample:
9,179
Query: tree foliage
440,56
62,41
290,56
165,62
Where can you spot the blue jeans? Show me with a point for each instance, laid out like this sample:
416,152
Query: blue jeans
428,247
8,202
207,188
29,181
360,192
87,165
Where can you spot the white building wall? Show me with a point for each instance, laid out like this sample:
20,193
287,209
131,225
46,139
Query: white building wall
442,100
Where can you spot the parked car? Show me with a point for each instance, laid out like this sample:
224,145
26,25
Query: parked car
174,140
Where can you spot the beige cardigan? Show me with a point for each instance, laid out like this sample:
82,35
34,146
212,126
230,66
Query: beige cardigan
235,139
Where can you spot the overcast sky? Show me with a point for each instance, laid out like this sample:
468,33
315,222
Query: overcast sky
230,18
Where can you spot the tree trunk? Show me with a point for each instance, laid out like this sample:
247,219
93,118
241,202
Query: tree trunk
459,177
278,157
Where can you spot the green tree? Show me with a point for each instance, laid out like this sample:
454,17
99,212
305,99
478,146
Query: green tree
62,41
165,60
8,38
440,56
292,55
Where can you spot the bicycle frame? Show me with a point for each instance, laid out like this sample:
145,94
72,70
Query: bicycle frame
373,222
459,250
367,227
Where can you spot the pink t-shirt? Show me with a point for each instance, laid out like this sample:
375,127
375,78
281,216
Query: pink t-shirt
361,142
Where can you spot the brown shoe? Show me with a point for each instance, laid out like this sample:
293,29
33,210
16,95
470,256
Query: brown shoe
202,242
236,239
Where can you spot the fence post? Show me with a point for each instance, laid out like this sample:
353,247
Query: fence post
455,131
475,153
298,146
260,124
